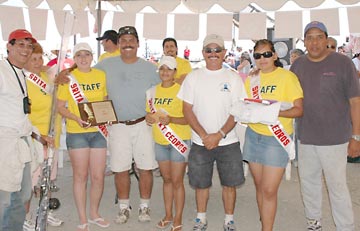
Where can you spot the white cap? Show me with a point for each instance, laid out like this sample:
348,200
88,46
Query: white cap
169,61
82,47
214,38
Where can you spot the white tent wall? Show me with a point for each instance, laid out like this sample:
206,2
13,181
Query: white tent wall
87,27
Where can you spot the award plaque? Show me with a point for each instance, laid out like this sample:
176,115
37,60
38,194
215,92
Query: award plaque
97,113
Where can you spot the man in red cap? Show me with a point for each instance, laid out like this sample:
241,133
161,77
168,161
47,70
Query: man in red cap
15,131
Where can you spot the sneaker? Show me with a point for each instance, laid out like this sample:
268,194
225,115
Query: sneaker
144,214
123,216
53,187
52,220
199,225
313,224
230,226
29,225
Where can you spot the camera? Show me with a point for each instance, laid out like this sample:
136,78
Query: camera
26,105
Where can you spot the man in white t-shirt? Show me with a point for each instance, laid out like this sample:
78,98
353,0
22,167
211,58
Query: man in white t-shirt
208,94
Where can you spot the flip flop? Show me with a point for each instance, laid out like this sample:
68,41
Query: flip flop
99,222
162,224
176,227
83,227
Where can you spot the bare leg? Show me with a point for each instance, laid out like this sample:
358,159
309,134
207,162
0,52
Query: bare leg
165,169
229,198
97,170
202,197
145,183
122,184
177,178
267,181
80,164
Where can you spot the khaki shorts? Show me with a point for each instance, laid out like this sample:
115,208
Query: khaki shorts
128,142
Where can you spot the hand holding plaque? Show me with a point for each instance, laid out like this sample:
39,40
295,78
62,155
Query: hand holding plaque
157,115
97,113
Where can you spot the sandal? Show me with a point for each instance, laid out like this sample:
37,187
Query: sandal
163,224
84,227
101,222
176,228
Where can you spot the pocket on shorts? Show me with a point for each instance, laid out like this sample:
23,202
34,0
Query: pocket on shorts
11,170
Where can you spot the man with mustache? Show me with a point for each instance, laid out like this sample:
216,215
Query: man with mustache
128,78
208,94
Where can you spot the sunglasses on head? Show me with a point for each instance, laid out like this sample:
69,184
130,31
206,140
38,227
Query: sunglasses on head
267,54
127,30
209,50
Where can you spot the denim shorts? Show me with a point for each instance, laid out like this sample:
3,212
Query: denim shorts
264,150
168,152
85,140
228,162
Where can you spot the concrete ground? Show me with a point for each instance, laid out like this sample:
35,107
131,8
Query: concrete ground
290,214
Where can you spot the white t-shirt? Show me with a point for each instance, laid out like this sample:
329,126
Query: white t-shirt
212,94
11,100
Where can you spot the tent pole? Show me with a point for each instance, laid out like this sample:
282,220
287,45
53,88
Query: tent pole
99,26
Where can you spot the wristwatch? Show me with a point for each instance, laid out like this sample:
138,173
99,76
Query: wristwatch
224,134
356,137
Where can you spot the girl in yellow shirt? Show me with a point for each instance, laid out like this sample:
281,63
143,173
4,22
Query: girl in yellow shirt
86,145
172,161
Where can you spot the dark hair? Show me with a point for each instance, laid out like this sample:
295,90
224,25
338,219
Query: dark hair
113,40
266,42
12,42
169,40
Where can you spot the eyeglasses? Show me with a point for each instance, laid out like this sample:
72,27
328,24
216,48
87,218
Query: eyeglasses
331,47
209,50
267,54
22,45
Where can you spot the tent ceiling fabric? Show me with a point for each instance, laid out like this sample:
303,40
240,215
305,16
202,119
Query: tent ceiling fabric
202,6
166,6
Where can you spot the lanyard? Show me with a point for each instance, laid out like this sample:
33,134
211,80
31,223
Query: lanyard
21,86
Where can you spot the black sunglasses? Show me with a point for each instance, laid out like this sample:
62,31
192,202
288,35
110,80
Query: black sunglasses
267,54
209,50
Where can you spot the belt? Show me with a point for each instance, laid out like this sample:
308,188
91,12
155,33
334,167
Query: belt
132,122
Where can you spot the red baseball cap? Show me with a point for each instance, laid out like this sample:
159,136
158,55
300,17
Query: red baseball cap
21,34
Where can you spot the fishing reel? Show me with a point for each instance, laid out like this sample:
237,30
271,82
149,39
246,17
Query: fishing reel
54,203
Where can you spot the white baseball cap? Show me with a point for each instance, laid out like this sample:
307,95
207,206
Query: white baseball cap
213,38
169,61
82,47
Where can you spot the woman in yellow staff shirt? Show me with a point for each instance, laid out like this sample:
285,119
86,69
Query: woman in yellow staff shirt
86,145
266,156
40,92
172,158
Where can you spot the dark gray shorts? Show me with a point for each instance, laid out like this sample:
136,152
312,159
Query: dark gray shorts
228,161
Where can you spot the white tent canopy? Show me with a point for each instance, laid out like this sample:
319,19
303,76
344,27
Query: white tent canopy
189,27
125,12
165,6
